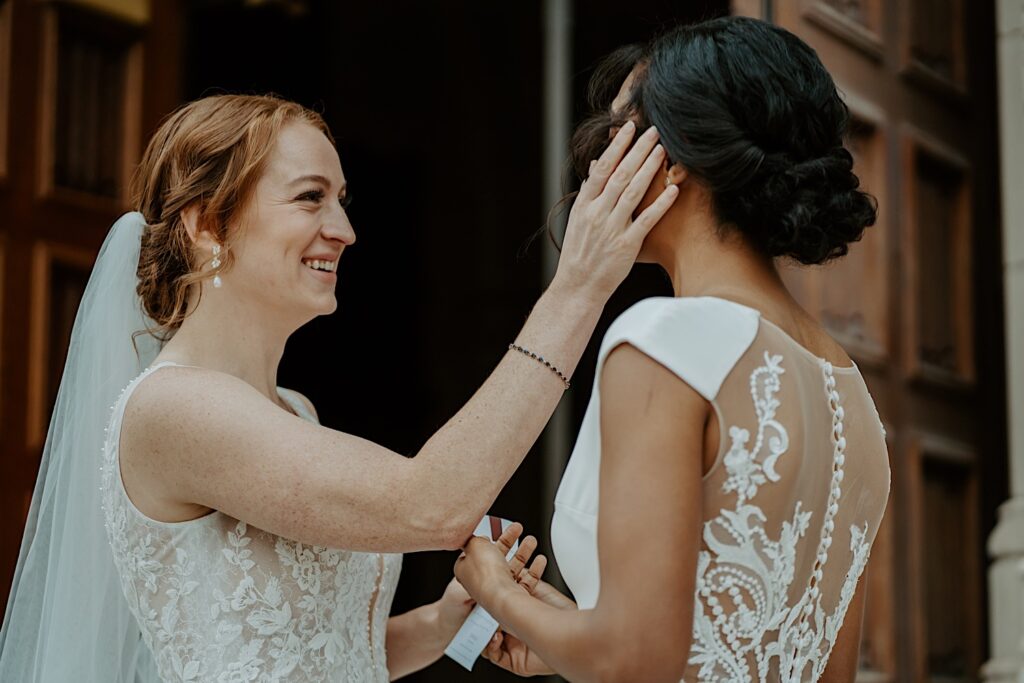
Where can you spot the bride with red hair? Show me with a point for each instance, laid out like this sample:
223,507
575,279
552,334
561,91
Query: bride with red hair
193,521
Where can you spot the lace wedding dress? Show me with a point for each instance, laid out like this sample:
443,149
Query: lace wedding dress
219,600
791,505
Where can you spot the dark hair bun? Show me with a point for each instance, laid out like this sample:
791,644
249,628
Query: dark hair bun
750,111
809,211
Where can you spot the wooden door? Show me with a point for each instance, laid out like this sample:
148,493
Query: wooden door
917,304
75,100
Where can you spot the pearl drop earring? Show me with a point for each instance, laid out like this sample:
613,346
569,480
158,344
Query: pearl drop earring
215,264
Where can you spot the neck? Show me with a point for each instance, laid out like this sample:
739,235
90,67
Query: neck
702,262
225,335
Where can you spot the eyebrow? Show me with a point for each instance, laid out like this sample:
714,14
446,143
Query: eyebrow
318,179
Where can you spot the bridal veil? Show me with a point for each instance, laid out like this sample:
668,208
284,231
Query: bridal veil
67,618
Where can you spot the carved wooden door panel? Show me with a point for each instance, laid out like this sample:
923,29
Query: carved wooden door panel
73,108
909,303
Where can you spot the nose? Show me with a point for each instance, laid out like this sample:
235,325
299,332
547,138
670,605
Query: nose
338,227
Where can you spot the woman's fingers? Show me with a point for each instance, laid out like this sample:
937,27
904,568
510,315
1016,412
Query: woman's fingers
607,163
496,653
530,576
523,554
637,188
649,217
597,251
508,537
493,649
623,175
536,569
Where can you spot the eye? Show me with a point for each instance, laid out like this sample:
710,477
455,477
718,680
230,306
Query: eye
311,196
345,201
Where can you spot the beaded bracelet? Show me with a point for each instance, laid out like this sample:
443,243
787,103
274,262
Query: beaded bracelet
551,367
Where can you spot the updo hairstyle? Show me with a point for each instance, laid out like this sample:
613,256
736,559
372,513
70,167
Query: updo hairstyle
209,153
750,111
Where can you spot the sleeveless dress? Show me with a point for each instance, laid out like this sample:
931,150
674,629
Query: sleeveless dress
790,507
219,600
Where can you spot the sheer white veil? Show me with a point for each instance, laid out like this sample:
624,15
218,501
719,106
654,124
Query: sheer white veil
67,618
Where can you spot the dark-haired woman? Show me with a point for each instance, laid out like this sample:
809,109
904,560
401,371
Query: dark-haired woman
715,519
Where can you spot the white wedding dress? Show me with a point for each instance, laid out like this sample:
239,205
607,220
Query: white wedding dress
219,600
790,507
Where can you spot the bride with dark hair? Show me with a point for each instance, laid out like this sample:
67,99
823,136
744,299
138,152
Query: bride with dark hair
715,518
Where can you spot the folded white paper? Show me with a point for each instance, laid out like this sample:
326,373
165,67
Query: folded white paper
479,626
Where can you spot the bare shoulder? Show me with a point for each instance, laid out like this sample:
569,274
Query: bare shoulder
196,440
175,397
190,411
173,417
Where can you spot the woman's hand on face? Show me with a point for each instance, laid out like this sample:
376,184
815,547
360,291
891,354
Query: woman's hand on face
602,239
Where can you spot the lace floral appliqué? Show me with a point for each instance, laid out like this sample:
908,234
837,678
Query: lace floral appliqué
220,601
743,622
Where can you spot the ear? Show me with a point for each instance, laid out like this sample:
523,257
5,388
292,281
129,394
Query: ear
201,239
676,175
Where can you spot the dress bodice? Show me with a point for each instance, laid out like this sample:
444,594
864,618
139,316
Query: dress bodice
219,600
790,507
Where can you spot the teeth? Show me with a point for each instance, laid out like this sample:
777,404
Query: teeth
316,264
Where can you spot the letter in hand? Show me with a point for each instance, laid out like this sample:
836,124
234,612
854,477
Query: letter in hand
455,604
482,568
471,638
504,649
603,239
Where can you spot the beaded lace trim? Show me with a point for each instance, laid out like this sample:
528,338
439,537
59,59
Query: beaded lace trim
752,573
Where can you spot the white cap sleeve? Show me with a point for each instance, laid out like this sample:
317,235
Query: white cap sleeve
700,339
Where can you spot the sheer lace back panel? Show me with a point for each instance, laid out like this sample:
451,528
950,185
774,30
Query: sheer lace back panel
219,600
791,505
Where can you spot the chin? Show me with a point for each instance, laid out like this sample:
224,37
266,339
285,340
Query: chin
328,307
316,308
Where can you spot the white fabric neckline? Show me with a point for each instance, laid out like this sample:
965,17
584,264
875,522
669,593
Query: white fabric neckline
800,347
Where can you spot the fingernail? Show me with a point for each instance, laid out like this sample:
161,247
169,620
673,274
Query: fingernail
658,149
628,125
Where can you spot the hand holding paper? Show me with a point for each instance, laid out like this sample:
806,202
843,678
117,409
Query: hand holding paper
479,627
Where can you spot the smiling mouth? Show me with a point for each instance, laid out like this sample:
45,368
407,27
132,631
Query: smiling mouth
323,266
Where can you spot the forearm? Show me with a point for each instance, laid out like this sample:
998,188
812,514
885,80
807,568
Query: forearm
462,468
413,641
572,642
602,645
